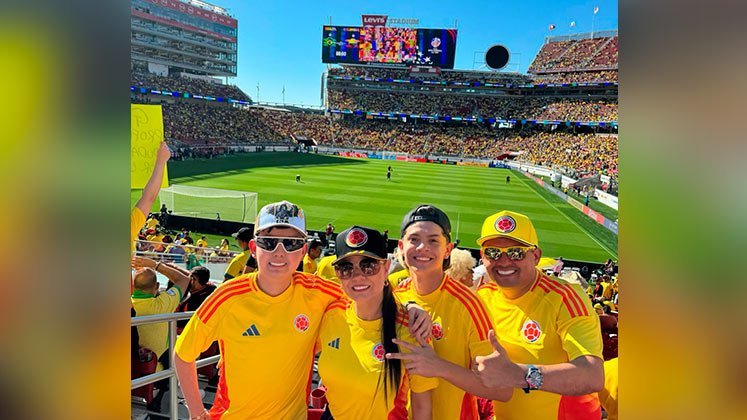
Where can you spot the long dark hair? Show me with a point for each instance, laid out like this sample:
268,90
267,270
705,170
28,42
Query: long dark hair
392,367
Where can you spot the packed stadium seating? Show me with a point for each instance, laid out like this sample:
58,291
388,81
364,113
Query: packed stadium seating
189,85
194,125
532,108
202,129
598,53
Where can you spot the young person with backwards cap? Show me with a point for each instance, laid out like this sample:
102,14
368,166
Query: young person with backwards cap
266,324
547,340
358,329
460,321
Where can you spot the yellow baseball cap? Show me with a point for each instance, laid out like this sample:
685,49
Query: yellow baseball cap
508,224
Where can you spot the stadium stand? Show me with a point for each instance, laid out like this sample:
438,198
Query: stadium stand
599,53
187,85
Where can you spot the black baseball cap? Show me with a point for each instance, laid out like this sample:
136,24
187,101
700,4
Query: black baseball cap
244,234
427,213
360,240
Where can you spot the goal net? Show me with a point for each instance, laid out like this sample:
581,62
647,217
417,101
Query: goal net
210,203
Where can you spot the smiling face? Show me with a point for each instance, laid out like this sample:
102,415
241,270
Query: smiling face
362,288
278,263
509,273
425,248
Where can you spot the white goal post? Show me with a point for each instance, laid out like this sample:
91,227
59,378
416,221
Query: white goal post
210,203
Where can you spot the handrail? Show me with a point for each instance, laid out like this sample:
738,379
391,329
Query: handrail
170,373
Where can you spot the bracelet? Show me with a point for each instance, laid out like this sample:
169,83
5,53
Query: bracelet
156,267
408,303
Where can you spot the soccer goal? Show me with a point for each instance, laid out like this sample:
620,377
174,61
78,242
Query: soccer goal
210,203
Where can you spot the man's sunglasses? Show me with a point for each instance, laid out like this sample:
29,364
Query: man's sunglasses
269,243
516,253
368,267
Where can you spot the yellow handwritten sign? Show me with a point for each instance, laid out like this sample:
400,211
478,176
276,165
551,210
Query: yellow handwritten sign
146,127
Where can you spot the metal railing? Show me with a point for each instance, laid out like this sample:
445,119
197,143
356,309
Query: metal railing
169,373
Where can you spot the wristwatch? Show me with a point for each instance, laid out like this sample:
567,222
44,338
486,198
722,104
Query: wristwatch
533,378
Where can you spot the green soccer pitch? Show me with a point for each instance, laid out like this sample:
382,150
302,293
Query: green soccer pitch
347,191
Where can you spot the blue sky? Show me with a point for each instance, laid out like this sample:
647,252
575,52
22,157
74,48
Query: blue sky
280,42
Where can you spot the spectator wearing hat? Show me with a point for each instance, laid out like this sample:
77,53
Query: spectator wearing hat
237,264
460,321
547,341
266,323
363,324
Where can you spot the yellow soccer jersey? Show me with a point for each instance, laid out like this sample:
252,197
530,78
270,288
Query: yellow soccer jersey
608,394
309,265
237,264
397,277
325,269
137,218
151,223
553,322
155,336
266,344
460,333
352,362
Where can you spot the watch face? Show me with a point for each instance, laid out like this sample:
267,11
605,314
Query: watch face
534,378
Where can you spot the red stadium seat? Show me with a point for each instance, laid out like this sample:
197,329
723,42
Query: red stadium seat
314,413
210,370
142,366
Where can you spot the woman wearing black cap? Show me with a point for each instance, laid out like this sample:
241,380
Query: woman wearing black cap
357,331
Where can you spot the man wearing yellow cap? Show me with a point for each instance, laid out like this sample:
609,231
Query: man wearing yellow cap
547,341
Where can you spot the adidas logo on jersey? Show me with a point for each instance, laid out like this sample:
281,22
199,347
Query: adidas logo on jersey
251,331
335,344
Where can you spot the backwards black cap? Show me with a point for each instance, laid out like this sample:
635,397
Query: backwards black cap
427,213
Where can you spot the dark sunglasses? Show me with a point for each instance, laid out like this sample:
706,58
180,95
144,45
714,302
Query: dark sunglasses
269,243
368,267
516,253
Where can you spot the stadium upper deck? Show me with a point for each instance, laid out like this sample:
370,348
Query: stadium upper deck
173,36
577,53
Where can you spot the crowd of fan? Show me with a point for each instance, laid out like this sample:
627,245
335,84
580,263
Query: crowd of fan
195,123
444,75
579,54
187,85
531,108
577,155
577,77
204,125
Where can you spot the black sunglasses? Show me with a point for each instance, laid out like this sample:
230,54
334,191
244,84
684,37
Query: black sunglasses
269,243
368,267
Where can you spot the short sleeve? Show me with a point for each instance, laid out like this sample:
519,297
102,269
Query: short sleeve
578,327
137,219
194,339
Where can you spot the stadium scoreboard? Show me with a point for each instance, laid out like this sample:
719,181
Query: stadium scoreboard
384,45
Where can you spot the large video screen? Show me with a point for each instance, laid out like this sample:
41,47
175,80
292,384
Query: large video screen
387,45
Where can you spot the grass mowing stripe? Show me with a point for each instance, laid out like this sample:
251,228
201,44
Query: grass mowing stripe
355,191
526,181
